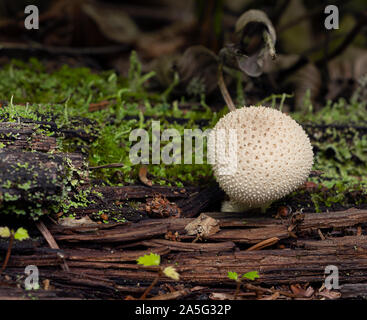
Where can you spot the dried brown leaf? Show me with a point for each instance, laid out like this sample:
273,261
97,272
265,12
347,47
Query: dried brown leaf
203,226
143,171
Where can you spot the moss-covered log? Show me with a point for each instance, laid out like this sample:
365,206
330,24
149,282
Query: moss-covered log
25,136
30,181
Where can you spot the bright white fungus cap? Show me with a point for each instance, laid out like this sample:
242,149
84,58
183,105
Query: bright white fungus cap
274,155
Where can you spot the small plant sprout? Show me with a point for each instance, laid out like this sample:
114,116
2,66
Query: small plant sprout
20,235
154,259
252,275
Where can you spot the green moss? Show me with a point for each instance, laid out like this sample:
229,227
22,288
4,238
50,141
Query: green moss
64,96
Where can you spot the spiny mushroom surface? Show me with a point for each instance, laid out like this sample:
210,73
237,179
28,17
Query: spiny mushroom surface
274,156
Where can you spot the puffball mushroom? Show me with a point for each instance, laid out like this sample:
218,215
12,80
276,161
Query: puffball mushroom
274,156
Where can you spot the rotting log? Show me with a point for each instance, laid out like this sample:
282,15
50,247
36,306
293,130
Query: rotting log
275,267
24,136
75,129
24,172
102,258
31,178
32,171
106,265
235,228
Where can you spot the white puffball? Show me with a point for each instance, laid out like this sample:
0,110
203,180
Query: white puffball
274,155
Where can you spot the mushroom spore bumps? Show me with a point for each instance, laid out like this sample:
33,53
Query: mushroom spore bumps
273,155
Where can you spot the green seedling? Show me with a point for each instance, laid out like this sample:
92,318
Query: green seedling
252,275
153,259
20,235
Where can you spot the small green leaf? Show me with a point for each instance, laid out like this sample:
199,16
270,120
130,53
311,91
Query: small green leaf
4,232
252,275
151,259
232,275
21,234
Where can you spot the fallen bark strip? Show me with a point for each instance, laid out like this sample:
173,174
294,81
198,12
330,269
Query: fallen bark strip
346,218
168,224
354,290
190,247
255,230
358,243
250,236
285,266
321,220
274,267
248,230
121,234
103,256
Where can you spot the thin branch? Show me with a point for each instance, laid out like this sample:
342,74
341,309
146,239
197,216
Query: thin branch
270,44
111,165
223,89
8,252
264,244
144,295
51,241
238,287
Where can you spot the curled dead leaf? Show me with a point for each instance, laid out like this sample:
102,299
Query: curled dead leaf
256,40
143,171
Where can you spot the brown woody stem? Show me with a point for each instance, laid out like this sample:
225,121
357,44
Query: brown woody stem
223,89
8,252
237,289
144,295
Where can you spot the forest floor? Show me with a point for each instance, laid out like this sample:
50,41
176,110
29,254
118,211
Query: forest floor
66,177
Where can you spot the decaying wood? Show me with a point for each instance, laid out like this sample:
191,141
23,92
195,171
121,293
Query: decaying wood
101,258
24,136
354,290
234,228
190,247
142,192
197,202
120,234
31,176
50,240
206,263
